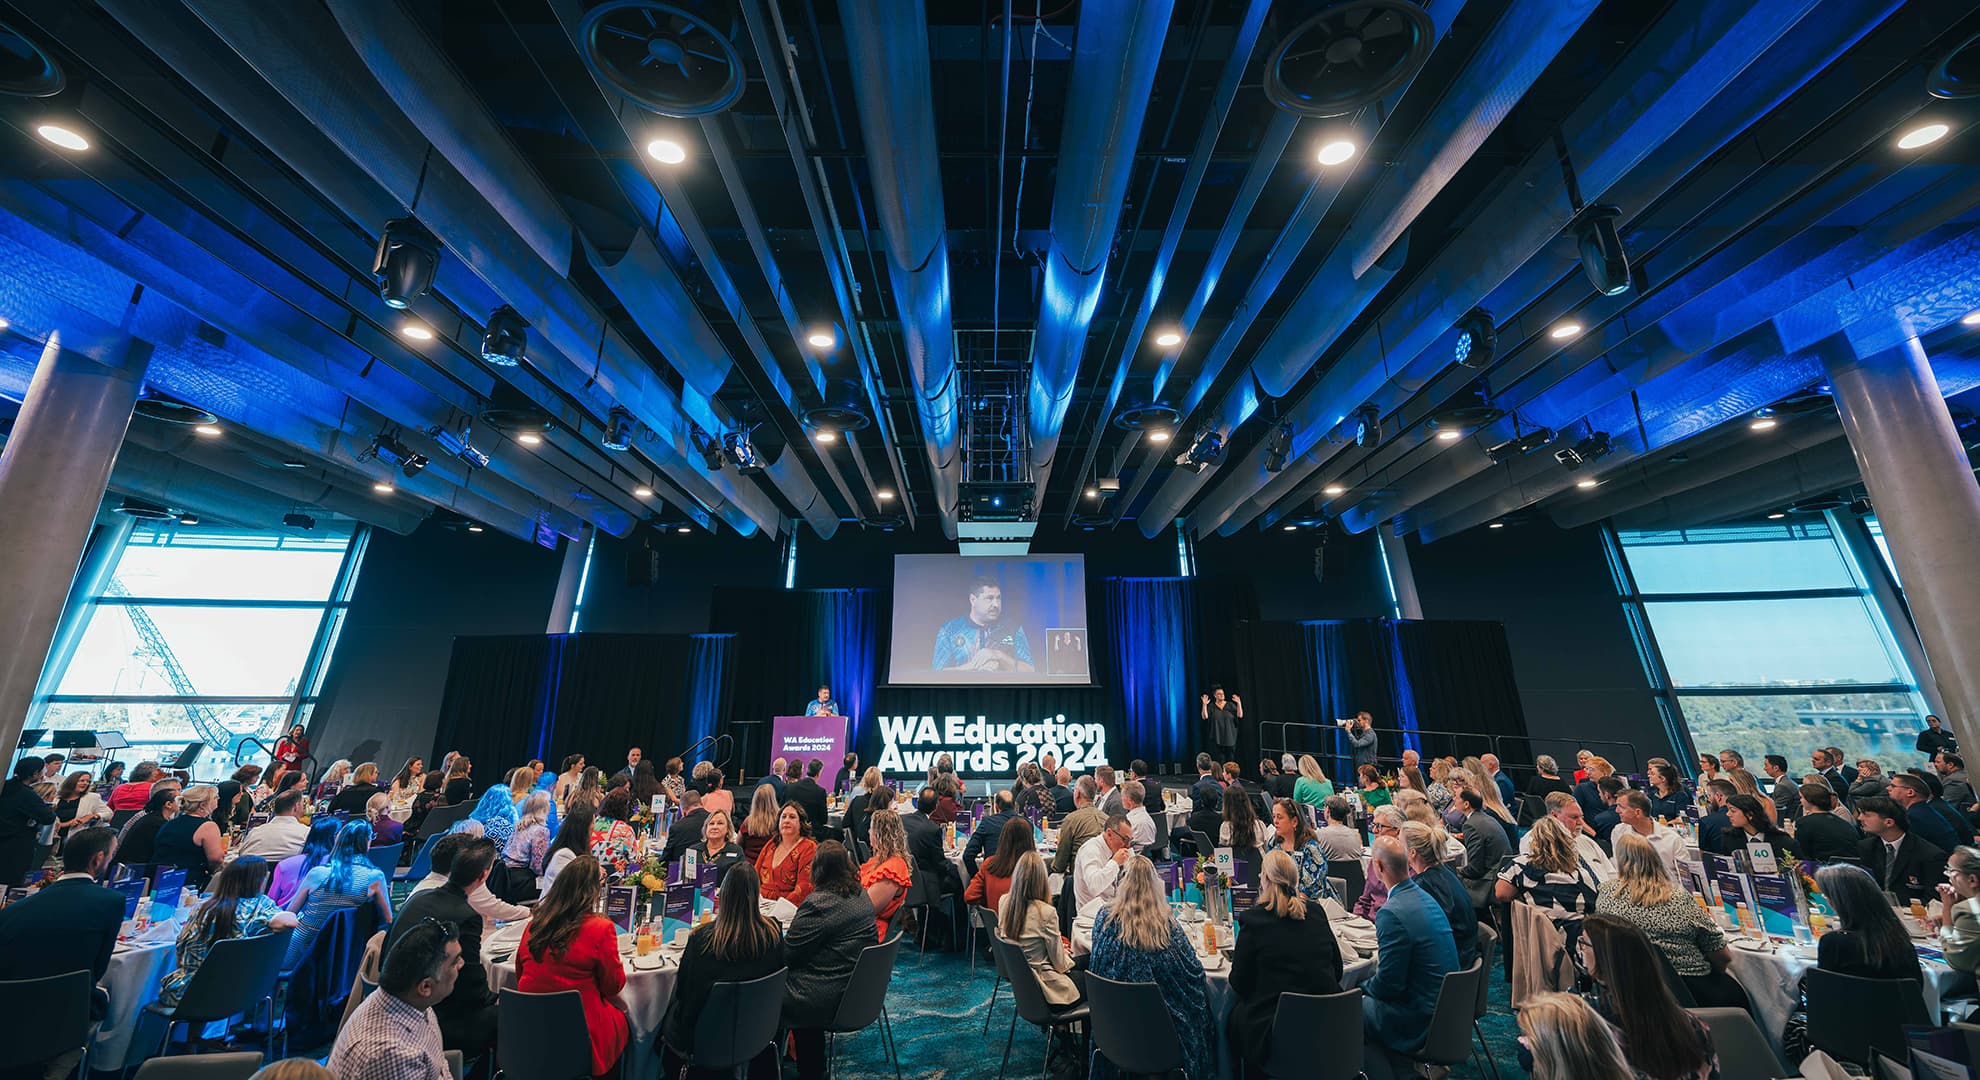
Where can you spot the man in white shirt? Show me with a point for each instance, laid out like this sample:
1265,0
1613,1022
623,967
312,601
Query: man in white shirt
1101,864
1563,808
485,904
394,1034
1634,808
282,835
1338,840
1137,815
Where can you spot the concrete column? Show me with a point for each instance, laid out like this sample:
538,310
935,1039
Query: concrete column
53,473
1923,488
99,563
570,582
1402,579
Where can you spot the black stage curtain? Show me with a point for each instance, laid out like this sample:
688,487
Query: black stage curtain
511,698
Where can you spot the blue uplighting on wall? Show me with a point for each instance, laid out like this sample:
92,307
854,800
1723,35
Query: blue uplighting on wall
584,579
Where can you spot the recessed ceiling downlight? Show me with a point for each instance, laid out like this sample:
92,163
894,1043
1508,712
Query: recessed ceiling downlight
1923,135
66,138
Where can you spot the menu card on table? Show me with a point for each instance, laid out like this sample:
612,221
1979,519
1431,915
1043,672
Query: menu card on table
679,904
1777,909
620,904
133,891
166,887
1735,886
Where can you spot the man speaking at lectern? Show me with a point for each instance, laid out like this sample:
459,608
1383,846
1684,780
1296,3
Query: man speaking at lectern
980,641
823,705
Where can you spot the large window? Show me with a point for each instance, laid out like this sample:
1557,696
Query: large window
208,634
1766,639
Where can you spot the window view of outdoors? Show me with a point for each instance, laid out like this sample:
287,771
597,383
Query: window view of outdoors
1773,644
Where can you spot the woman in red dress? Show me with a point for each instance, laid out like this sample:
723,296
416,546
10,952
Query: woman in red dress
567,947
887,875
785,866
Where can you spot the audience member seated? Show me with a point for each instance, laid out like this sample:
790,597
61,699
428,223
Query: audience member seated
1637,814
572,840
78,807
1643,895
1140,821
1240,828
993,878
345,880
886,875
1292,835
393,1034
834,924
459,787
1284,945
1931,817
1564,809
925,844
1546,779
1958,925
1209,780
497,814
132,794
1085,822
1137,939
1206,811
809,795
1414,951
1751,827
490,907
783,867
983,838
1902,864
857,807
1667,795
1867,941
289,873
615,844
137,845
236,909
1658,1039
407,785
280,836
1101,863
1549,873
686,830
708,780
467,1016
385,829
739,946
70,924
1485,845
1027,918
1433,874
528,849
760,827
1368,784
192,841
1821,834
718,847
1870,780
1384,821
1312,787
1567,1040
568,946
354,797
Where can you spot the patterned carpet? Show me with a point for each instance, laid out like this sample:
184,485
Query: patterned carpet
937,1007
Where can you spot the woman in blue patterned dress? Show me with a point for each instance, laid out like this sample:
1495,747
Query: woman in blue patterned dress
1292,835
346,881
235,910
1136,939
497,813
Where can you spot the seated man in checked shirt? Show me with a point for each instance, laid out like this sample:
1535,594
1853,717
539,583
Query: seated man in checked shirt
393,1035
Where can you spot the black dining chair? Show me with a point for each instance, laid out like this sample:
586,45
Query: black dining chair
1131,1027
1742,1049
441,818
59,1006
234,1066
1317,1036
237,978
865,999
1488,949
1852,1018
1448,1042
543,1036
738,1022
1029,1004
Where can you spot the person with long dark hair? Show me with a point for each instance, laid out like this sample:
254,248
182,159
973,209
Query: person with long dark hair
345,881
316,851
993,878
236,909
573,840
1751,826
567,946
1659,1039
740,945
784,865
407,785
1868,942
833,925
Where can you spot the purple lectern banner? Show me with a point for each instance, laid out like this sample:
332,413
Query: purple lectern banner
807,737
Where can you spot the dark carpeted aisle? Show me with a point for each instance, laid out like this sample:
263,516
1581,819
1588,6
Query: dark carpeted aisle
938,1007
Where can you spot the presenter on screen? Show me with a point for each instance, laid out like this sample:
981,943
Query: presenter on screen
1221,713
824,705
980,641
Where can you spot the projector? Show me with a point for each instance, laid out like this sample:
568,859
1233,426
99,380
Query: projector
994,537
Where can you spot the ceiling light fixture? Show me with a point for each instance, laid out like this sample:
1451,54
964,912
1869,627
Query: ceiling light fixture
1776,516
1205,450
1158,436
642,492
822,338
4,324
1290,528
883,495
530,438
1763,420
506,340
619,429
407,258
383,488
1564,331
826,436
66,138
1496,525
208,430
666,151
682,529
1168,339
1092,493
1586,484
1922,135
415,332
1448,435
474,528
1335,151
1971,318
1334,490
460,445
740,451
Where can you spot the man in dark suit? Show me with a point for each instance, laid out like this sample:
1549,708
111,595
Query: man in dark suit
775,778
983,838
1208,781
68,925
687,831
1825,766
1930,818
924,845
1058,787
1902,863
1714,823
1484,845
467,1016
1608,789
809,794
1848,771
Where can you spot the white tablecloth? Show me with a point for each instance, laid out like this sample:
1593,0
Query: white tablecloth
1772,978
132,982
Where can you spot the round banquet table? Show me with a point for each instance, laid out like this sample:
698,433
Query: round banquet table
132,980
1772,978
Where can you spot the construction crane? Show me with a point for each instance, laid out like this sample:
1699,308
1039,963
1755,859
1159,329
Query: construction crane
158,655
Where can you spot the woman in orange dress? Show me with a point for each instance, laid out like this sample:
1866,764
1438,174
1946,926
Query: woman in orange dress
886,875
785,866
567,947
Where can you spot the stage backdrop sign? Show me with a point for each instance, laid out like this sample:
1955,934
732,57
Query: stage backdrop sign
807,737
910,744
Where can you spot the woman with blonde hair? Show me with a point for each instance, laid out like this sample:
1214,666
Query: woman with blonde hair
385,829
1550,873
521,781
1439,789
1642,893
1745,783
1285,946
529,845
353,797
887,875
863,803
1312,787
1569,1041
1026,917
760,827
1136,939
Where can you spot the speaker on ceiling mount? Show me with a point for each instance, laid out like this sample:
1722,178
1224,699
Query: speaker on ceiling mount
1956,75
1349,55
1602,256
664,58
26,69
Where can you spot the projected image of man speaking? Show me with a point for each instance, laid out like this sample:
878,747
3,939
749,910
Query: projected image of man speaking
980,640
